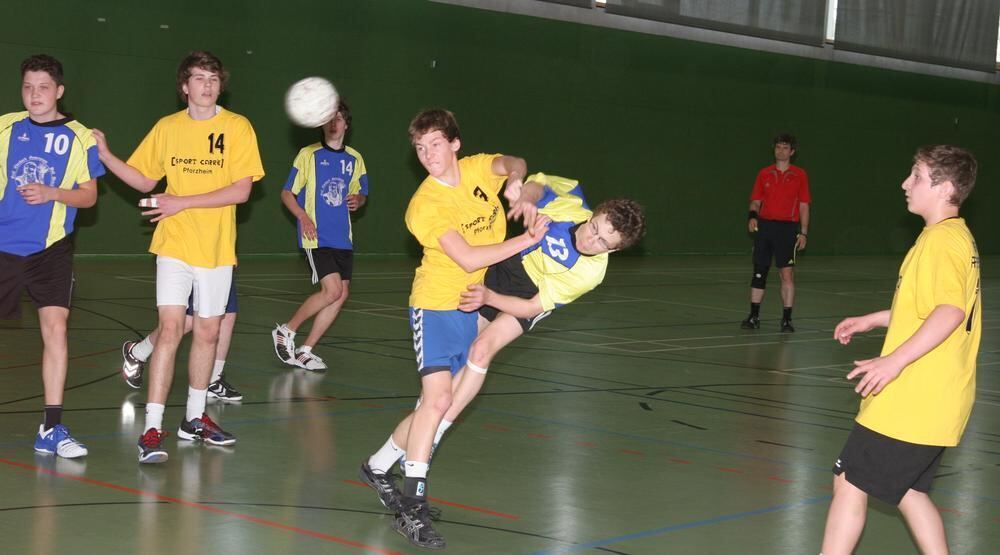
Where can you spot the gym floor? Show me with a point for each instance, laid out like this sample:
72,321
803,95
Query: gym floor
638,420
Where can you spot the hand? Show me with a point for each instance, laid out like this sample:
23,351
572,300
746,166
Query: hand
474,298
102,144
878,373
512,191
308,227
355,201
846,329
166,206
525,210
752,225
538,228
36,193
800,242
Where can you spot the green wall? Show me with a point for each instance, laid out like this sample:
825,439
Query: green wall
680,126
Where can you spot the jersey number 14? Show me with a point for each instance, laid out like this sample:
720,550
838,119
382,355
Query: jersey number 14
216,144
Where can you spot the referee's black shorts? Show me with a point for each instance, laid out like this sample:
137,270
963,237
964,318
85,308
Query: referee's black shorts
775,239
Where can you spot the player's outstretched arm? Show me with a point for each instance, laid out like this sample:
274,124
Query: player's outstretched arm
846,329
880,371
308,226
479,295
84,196
168,205
471,258
526,204
129,175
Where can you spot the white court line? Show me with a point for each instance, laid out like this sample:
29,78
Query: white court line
676,303
355,311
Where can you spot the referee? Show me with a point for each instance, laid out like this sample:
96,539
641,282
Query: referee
779,222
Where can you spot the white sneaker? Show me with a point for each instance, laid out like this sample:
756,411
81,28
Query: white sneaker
284,344
304,358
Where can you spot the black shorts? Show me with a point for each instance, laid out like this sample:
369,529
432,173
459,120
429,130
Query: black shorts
887,468
510,278
325,261
47,275
775,239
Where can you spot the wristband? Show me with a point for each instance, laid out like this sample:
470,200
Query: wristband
753,215
802,234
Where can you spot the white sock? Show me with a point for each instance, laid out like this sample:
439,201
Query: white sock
304,349
288,331
416,469
196,402
217,370
154,416
384,458
143,349
442,428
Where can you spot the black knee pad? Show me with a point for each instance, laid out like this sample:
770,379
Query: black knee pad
759,280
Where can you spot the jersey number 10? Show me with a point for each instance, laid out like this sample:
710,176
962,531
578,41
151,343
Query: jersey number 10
56,143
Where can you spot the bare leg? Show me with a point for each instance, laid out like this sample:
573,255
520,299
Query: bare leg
925,523
436,393
161,365
491,339
202,356
331,289
55,352
325,317
756,295
787,286
846,518
225,335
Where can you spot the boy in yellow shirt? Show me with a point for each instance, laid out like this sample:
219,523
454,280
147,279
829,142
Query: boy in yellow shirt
210,158
918,394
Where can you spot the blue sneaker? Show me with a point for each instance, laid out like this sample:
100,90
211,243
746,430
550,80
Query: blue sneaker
204,429
150,450
56,440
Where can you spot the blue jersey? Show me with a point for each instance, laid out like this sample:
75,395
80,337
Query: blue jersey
321,178
60,154
555,266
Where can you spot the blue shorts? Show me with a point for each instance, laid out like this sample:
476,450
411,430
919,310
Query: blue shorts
441,339
231,305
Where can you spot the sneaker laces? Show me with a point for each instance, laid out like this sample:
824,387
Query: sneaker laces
209,424
153,437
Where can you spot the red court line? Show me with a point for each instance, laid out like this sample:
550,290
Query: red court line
207,508
450,504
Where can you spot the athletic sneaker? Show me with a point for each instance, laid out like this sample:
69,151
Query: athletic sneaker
384,485
786,326
414,523
131,366
56,440
309,361
150,446
284,344
751,323
223,390
204,429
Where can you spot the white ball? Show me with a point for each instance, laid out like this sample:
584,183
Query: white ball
311,102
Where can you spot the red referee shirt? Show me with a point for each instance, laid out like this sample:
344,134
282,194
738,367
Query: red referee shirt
781,192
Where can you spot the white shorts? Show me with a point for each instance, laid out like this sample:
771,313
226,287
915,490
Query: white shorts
208,288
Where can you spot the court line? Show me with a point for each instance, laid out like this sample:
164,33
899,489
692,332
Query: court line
451,504
685,526
206,508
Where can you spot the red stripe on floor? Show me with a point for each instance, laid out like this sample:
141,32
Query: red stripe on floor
207,508
450,504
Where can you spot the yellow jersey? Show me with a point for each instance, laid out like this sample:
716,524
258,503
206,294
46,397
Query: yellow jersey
473,209
930,401
199,156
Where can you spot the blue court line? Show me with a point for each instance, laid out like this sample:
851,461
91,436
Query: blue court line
684,526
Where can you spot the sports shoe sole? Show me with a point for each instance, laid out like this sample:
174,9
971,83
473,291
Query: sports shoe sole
153,458
181,434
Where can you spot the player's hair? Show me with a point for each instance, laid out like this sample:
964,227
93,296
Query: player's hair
344,110
201,59
429,121
46,63
950,163
787,138
626,217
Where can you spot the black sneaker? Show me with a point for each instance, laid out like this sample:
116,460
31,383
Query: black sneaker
384,485
414,523
751,323
224,391
786,326
204,429
131,366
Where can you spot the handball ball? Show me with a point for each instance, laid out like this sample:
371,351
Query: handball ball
311,102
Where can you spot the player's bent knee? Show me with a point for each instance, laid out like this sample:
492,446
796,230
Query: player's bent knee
759,279
475,367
